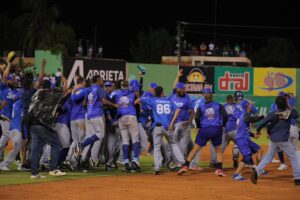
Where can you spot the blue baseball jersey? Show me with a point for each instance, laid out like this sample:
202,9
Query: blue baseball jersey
162,108
243,127
78,111
95,106
232,117
17,113
10,96
146,111
65,115
198,102
210,114
184,104
125,99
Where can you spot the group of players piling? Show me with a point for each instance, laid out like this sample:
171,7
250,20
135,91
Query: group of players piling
109,123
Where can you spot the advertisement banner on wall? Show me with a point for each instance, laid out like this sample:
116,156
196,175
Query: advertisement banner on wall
231,79
108,70
197,78
270,81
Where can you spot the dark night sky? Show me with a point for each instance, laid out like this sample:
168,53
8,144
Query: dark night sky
118,23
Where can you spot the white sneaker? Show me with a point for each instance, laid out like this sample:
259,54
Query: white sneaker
38,176
57,172
275,161
282,167
4,168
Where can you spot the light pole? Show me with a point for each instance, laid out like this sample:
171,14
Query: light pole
178,38
215,20
87,45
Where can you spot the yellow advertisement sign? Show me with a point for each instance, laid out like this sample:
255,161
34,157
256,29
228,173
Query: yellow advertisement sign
270,81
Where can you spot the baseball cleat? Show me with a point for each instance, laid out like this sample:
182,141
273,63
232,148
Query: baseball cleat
127,168
183,170
4,168
157,172
37,176
220,173
238,177
136,165
282,167
297,181
92,163
57,172
254,176
70,165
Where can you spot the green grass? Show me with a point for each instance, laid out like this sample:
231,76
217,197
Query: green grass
16,177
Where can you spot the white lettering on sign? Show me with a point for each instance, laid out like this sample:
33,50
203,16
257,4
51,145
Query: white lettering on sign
107,75
78,64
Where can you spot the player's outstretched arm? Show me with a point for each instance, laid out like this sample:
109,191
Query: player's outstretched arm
6,73
179,74
41,75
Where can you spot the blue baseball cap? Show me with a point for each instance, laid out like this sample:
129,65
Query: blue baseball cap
108,84
153,85
180,85
133,83
207,91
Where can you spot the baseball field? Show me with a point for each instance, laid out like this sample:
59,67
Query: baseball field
119,185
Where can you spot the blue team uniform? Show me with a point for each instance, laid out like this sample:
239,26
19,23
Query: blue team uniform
232,117
17,114
162,108
94,106
210,117
9,95
184,104
246,146
78,111
146,111
65,115
125,99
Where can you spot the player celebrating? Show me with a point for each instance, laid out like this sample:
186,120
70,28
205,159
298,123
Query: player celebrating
246,146
278,129
210,118
162,109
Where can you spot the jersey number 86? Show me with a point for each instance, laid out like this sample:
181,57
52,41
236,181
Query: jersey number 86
163,109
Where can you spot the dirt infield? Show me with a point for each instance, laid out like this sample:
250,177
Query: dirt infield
194,185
